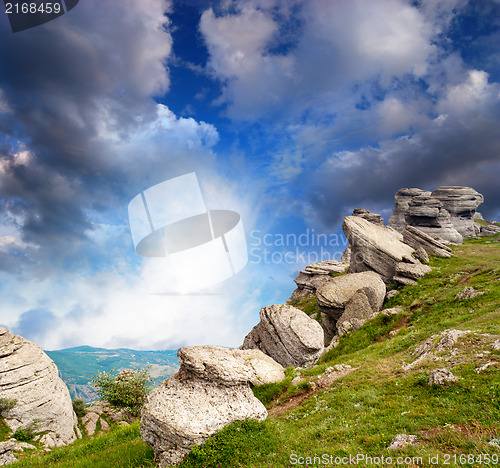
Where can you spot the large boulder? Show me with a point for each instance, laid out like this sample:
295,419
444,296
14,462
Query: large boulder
429,215
288,335
416,238
30,378
402,200
446,213
381,249
461,203
209,392
315,275
346,302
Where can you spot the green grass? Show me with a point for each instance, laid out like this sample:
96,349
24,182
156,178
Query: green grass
120,448
362,412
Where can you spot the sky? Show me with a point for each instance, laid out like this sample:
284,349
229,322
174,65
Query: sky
291,113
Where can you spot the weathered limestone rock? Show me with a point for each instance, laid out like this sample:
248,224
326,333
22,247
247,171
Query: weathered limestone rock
401,201
429,215
461,203
230,366
348,301
380,249
416,238
313,276
90,422
401,441
288,335
372,217
441,377
448,212
30,377
489,230
7,453
187,409
334,373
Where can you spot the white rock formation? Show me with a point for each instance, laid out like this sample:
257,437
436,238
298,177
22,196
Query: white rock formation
209,392
381,249
288,335
30,377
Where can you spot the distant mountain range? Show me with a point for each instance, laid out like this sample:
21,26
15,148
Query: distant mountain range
78,365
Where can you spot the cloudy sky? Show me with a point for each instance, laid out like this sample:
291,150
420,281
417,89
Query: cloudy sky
290,112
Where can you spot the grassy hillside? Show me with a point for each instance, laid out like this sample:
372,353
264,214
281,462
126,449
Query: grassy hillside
363,411
78,365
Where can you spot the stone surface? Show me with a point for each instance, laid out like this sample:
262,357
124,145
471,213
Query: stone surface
416,238
378,248
489,230
287,335
6,453
468,293
230,366
496,345
441,377
314,276
447,213
334,373
371,217
194,404
412,270
461,203
29,376
346,302
90,423
428,214
402,199
401,441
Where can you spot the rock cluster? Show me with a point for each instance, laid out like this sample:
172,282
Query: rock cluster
446,213
381,249
210,390
288,335
315,275
418,239
346,302
30,378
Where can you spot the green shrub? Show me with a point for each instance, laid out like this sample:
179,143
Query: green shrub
26,434
128,389
79,407
6,404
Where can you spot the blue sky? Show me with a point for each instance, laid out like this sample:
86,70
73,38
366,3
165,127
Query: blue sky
291,113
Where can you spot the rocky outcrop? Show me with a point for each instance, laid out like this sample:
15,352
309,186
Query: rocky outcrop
372,217
401,202
416,238
381,249
288,335
313,276
441,377
447,212
428,214
489,230
461,203
346,302
42,401
401,441
209,392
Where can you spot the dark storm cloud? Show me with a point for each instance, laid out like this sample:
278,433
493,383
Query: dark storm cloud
67,87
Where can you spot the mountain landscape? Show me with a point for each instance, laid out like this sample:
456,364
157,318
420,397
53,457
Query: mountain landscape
78,365
390,356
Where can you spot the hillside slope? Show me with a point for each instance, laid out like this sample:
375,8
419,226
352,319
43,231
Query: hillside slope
358,415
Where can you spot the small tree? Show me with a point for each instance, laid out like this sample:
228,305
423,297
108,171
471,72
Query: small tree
79,407
128,389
